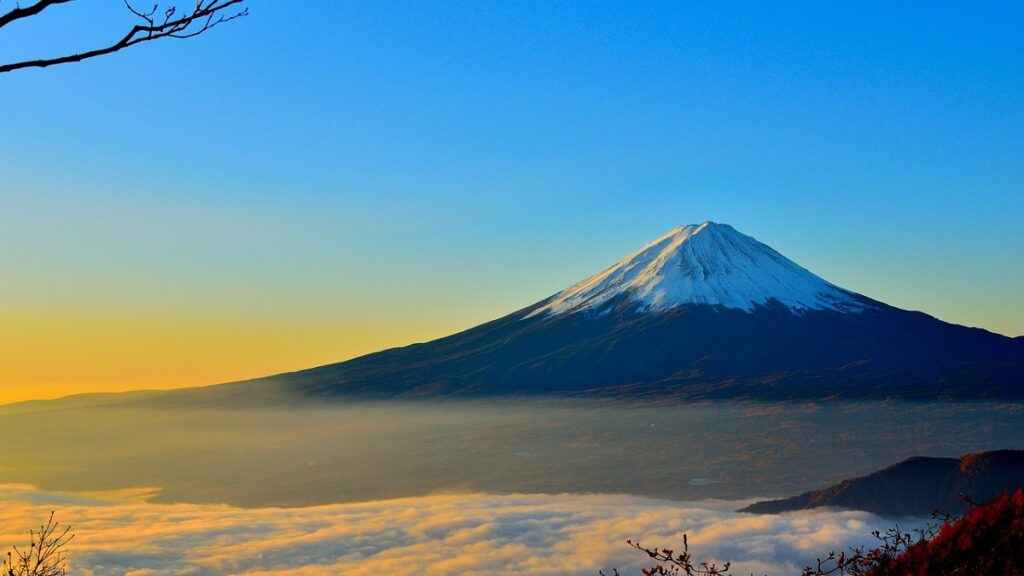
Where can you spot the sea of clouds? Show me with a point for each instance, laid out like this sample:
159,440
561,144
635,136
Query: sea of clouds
445,534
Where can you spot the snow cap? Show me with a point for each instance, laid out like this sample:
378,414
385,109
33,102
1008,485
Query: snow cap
708,263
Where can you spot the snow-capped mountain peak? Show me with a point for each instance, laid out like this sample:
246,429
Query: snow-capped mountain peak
708,263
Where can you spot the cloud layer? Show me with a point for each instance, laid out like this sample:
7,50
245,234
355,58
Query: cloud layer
431,535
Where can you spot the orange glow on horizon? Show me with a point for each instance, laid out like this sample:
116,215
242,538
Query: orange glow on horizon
55,354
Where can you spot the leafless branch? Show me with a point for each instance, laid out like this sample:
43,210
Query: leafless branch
155,24
668,562
31,10
45,553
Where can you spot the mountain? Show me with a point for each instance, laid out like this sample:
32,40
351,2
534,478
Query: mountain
703,311
916,487
710,264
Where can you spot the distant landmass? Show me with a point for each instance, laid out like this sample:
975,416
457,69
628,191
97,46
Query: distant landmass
702,312
916,487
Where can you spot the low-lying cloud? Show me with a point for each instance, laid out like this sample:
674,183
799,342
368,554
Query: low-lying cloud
430,535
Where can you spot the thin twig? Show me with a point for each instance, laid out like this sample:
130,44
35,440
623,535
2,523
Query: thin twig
205,14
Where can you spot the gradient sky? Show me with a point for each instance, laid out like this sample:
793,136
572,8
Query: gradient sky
314,183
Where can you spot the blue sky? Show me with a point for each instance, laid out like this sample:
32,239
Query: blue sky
355,175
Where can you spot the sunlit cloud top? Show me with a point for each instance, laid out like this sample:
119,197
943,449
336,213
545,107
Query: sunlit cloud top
536,535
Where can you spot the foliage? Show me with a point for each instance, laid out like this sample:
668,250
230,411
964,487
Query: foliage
988,539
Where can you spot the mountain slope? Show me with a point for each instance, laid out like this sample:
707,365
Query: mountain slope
701,312
710,264
916,486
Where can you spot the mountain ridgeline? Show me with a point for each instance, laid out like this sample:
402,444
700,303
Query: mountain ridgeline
916,487
701,312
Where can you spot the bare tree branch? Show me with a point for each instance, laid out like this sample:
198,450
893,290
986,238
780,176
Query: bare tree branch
668,562
44,555
156,24
19,12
